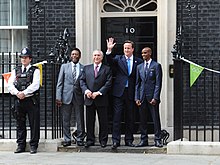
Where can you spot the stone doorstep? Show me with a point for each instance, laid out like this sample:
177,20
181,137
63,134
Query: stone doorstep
122,149
54,145
193,148
49,145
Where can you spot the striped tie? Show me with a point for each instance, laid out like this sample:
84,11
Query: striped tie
74,73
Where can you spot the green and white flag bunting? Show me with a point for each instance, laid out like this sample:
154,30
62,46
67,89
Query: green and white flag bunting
196,70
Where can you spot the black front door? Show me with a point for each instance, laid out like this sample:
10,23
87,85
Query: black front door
143,32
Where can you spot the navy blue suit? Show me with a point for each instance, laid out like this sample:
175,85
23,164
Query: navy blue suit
123,97
148,87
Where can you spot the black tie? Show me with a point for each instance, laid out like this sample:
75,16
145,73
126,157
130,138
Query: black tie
24,70
145,69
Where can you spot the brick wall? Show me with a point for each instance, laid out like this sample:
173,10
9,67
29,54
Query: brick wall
201,43
56,15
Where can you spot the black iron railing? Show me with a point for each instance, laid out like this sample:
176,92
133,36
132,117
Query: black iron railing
51,125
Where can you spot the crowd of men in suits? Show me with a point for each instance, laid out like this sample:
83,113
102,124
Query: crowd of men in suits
137,82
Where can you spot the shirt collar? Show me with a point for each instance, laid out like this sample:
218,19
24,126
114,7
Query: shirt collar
27,67
149,61
131,58
77,64
99,65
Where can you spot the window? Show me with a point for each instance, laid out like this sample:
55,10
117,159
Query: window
128,5
13,32
13,25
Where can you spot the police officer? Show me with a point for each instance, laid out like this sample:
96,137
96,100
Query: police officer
24,83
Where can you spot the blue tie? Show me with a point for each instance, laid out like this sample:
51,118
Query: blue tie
129,66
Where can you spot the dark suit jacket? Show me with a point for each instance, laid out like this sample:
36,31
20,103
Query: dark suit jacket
121,75
148,85
66,89
101,83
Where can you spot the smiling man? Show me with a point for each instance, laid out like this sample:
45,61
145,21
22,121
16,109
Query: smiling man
147,96
123,90
96,82
69,97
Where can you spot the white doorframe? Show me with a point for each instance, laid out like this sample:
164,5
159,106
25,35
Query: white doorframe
88,38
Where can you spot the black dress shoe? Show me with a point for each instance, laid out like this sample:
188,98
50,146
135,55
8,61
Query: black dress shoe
65,144
19,150
88,144
103,145
80,143
158,143
115,145
142,144
130,144
33,150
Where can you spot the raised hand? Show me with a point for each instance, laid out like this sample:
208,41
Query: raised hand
110,44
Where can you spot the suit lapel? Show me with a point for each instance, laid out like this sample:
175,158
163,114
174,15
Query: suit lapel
123,63
142,71
149,68
69,69
91,70
134,64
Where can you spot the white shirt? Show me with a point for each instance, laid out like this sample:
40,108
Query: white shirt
34,86
148,62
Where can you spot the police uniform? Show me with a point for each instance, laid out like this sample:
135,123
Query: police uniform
27,82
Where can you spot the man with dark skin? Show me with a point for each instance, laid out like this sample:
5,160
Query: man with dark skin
147,96
69,96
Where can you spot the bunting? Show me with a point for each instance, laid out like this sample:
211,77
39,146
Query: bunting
6,76
195,71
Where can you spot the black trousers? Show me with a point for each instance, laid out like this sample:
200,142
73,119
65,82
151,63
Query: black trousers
120,105
154,111
102,112
28,107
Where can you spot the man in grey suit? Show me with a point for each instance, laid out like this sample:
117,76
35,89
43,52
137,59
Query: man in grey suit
69,97
147,96
95,82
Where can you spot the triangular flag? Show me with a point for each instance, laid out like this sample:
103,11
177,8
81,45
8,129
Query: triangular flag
6,76
39,65
195,71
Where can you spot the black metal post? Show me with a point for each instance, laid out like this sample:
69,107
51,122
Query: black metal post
178,99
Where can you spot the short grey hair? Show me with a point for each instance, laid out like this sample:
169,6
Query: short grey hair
99,52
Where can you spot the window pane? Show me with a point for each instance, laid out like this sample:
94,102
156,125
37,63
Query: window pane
19,12
4,12
20,40
13,40
5,41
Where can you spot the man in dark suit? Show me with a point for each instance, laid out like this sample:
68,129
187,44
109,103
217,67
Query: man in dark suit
123,90
95,82
147,96
69,97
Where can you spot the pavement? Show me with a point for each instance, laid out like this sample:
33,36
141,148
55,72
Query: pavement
94,158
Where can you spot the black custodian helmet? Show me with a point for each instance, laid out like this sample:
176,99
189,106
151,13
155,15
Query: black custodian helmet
26,52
